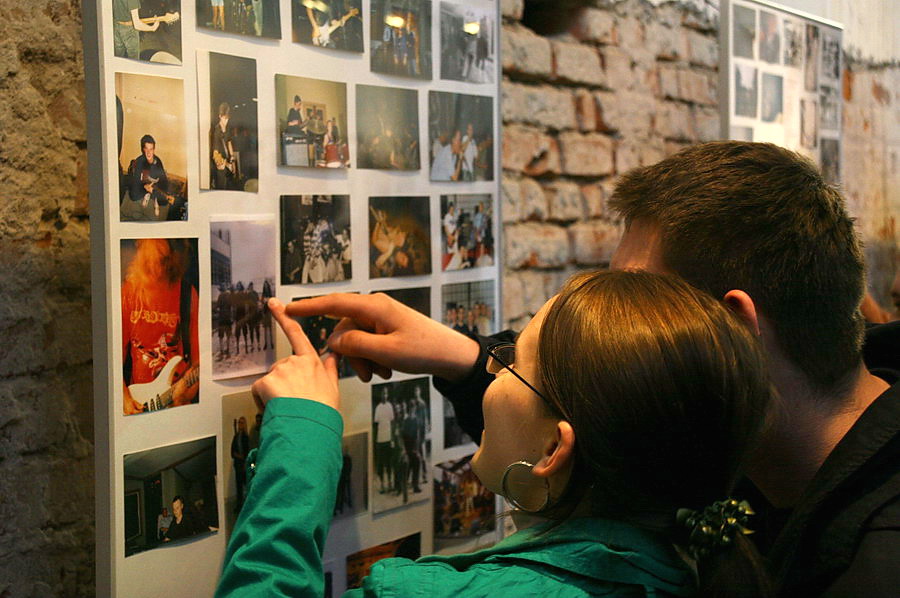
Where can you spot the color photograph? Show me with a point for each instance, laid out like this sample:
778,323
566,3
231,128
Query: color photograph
387,128
399,235
160,339
461,137
417,298
463,507
769,37
793,43
468,45
315,239
400,38
242,264
812,57
317,329
745,90
148,30
831,55
312,122
469,306
170,495
772,98
331,24
467,231
253,18
831,161
241,427
743,33
353,484
830,105
809,124
151,128
360,563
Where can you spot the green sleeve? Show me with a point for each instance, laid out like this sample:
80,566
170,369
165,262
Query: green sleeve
277,543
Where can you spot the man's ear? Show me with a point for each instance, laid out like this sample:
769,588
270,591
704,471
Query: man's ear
741,304
559,452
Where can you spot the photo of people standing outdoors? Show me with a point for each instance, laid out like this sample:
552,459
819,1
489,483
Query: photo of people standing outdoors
468,45
469,306
315,239
401,38
463,507
230,151
254,18
243,279
467,231
400,243
401,440
387,128
148,30
461,137
332,24
312,122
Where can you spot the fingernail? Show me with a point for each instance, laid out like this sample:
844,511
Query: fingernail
274,302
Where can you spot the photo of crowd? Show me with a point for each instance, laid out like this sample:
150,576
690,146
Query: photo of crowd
461,137
315,239
254,18
468,45
463,507
312,122
387,128
469,306
399,235
317,329
467,231
148,30
401,441
332,24
401,38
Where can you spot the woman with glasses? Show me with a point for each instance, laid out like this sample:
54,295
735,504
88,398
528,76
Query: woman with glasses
617,425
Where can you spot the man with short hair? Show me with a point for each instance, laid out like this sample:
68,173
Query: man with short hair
149,185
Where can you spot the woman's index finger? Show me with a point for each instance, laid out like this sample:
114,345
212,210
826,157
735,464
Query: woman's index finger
292,330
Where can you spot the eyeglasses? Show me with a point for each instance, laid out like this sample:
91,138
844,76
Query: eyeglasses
503,355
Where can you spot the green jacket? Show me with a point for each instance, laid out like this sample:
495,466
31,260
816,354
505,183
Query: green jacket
276,547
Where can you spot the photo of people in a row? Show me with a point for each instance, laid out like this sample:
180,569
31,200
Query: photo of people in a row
387,128
312,122
148,30
463,507
460,133
401,38
470,306
332,24
468,46
315,239
399,234
253,18
467,231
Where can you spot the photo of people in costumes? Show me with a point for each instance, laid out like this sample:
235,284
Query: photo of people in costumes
315,239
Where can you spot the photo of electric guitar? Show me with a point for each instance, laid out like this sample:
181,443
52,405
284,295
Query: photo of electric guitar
160,393
322,35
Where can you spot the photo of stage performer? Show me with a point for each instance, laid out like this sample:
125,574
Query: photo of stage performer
401,432
254,18
318,329
387,128
400,244
242,265
467,237
148,30
463,508
469,306
461,137
160,342
313,122
150,190
230,152
315,239
400,36
468,45
331,24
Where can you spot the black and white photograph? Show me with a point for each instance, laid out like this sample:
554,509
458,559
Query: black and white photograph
453,433
230,149
400,38
317,329
467,231
253,18
153,172
242,266
812,56
399,236
745,90
793,42
241,427
743,33
460,137
463,508
830,107
772,98
769,37
468,45
831,55
331,24
469,307
401,441
312,122
418,298
353,485
315,239
387,128
831,161
148,30
170,495
809,124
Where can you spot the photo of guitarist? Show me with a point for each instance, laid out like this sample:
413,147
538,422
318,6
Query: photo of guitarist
160,340
129,22
224,173
333,24
148,189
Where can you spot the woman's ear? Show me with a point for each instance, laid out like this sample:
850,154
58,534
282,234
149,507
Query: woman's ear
558,453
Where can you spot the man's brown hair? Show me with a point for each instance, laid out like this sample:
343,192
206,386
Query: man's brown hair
760,218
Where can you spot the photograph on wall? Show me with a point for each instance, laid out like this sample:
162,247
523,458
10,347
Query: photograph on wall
315,239
830,107
745,90
812,53
148,30
744,31
463,507
229,145
400,38
467,231
793,42
399,237
831,161
468,46
170,495
453,433
809,124
353,484
253,18
772,98
328,571
460,137
151,128
769,38
317,329
242,267
332,24
387,128
741,133
360,563
241,427
401,443
469,306
831,54
160,339
417,298
312,122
